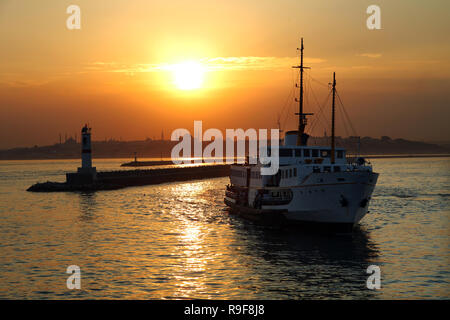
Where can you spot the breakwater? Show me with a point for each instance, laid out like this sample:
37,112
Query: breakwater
147,163
109,180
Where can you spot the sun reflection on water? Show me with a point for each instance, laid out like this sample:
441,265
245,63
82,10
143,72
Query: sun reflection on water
191,267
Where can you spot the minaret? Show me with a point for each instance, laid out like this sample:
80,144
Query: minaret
86,154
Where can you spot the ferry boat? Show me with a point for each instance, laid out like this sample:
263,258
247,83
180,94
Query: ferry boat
314,186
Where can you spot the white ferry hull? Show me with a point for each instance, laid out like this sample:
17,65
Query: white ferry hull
332,203
341,205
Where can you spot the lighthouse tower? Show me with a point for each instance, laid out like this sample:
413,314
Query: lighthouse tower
86,155
86,174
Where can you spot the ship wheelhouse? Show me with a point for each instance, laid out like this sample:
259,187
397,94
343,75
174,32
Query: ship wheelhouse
290,153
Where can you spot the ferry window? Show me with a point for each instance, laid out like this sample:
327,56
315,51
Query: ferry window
337,169
325,153
306,153
340,154
327,169
290,173
316,169
298,152
315,152
285,152
295,172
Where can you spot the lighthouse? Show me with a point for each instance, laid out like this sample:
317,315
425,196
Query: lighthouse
86,154
86,174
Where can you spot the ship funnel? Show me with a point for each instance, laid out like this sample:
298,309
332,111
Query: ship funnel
290,138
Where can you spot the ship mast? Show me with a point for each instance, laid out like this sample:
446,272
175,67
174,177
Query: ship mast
333,147
302,137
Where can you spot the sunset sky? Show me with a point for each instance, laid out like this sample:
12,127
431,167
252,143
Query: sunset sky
119,71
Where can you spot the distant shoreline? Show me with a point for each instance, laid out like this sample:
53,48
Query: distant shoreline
393,156
157,160
146,150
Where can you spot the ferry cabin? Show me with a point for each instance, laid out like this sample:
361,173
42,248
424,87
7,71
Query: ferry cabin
308,166
296,162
